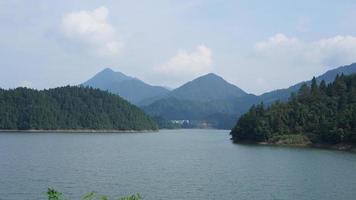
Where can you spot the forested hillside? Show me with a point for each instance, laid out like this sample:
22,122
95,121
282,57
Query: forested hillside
319,113
208,99
69,108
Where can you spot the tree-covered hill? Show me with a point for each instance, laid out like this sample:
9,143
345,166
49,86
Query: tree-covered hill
69,108
209,87
319,113
207,99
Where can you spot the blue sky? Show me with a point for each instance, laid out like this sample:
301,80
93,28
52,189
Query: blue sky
257,45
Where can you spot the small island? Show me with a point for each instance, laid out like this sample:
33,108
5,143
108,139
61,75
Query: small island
318,115
70,109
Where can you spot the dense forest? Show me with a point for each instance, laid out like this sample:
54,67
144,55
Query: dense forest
318,113
69,108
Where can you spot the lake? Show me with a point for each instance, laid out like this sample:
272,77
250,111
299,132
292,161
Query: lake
169,164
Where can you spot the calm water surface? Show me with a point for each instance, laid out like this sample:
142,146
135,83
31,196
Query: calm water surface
170,164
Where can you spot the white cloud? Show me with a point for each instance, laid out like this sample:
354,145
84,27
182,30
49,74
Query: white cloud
336,50
281,61
278,40
185,65
333,51
93,28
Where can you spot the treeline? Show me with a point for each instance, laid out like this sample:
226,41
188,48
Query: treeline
69,108
320,113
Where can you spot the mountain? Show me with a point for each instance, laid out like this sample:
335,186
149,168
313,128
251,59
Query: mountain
207,88
210,99
106,78
69,108
317,114
131,89
206,99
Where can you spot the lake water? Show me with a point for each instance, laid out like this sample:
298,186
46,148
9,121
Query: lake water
170,164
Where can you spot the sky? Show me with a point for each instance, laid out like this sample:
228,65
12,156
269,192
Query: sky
257,45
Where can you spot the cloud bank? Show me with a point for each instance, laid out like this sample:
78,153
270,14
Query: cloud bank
92,28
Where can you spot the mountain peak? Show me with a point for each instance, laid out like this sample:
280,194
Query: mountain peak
206,88
107,70
105,77
131,89
210,76
109,73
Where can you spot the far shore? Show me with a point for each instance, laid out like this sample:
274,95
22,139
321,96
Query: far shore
75,131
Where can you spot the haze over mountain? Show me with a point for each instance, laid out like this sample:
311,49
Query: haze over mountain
129,88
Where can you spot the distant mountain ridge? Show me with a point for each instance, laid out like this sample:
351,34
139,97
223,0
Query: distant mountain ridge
222,112
129,88
328,77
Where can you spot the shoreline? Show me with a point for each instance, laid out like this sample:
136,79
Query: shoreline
335,147
75,131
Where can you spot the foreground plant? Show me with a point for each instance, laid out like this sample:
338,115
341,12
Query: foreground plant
55,195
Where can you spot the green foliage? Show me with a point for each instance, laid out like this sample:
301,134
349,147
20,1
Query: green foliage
321,113
294,139
55,195
69,108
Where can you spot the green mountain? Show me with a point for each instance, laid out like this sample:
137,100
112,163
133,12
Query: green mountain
129,88
69,108
207,88
207,99
318,114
